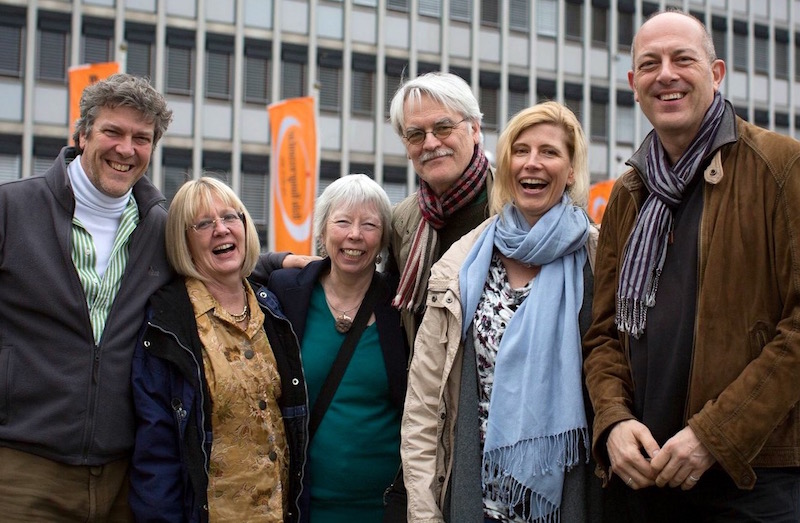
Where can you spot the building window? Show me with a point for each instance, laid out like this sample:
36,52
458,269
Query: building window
740,48
394,183
599,25
180,63
177,171
397,5
394,77
625,123
52,47
519,13
574,20
294,78
330,90
430,8
461,10
140,59
781,53
761,49
546,17
362,100
98,40
257,71
517,101
329,76
219,67
255,193
489,12
625,28
488,104
599,129
11,43
576,106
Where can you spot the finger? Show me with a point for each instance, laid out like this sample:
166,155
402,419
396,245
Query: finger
690,482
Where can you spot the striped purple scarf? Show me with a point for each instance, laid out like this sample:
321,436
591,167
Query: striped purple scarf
647,245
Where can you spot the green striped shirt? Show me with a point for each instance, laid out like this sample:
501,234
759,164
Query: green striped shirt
100,292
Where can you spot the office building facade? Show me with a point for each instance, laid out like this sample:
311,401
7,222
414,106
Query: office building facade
221,62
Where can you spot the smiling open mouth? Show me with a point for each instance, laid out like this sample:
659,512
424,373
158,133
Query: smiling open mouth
222,249
119,167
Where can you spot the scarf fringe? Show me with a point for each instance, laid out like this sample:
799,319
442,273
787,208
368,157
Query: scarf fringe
560,451
631,314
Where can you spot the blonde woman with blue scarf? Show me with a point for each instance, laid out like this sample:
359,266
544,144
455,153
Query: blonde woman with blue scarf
495,424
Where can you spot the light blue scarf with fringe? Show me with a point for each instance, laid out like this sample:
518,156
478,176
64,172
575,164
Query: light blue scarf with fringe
537,424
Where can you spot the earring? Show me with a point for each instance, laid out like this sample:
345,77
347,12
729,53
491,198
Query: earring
378,259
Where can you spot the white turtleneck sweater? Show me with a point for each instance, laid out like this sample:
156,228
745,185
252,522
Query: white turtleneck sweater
98,213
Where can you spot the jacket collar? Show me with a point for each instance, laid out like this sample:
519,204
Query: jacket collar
727,134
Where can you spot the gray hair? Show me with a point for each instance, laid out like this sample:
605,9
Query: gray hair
352,191
448,89
122,90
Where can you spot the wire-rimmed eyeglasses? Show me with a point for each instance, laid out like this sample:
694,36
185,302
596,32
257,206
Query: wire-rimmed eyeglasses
441,131
229,220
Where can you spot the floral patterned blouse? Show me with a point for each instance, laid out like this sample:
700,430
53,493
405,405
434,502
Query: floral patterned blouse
249,462
497,305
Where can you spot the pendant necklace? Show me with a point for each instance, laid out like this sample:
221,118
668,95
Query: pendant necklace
343,322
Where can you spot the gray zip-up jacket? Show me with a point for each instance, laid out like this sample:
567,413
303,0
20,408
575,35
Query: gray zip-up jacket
61,396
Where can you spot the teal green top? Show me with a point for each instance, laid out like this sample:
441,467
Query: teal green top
356,450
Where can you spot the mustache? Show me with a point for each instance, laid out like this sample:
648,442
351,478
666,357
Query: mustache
436,153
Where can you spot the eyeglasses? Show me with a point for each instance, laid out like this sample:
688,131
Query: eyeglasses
228,220
440,131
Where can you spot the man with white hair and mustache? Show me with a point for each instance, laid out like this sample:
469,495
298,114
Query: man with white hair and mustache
439,120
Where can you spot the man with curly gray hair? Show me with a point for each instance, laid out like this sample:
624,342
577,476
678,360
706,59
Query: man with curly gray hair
81,250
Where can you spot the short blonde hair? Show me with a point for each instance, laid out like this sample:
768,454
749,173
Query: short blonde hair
542,113
194,197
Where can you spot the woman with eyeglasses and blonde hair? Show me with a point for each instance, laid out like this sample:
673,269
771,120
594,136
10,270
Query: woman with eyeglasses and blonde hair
217,388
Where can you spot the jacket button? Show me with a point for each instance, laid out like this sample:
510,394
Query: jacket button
273,456
441,479
249,354
443,415
433,298
262,404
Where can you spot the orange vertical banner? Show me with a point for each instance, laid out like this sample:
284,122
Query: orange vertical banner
293,174
598,199
80,77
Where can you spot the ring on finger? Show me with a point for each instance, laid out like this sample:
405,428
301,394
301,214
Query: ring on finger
629,482
693,479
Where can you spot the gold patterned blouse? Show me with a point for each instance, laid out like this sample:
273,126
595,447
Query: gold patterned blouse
249,463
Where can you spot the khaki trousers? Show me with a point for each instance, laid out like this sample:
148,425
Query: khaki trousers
33,488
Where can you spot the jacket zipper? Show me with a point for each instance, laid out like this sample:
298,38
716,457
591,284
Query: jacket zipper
200,391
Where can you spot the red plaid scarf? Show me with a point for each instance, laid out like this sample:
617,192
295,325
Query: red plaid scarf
435,210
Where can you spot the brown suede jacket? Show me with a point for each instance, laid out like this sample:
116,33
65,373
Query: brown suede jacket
744,386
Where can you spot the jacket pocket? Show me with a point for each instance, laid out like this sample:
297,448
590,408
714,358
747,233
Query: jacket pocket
5,386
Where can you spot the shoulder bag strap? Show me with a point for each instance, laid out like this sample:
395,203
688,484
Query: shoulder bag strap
343,357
